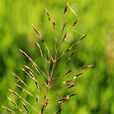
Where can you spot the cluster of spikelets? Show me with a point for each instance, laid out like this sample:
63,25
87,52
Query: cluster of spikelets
46,82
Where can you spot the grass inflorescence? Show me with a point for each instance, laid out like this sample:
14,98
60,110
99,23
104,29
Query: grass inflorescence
45,81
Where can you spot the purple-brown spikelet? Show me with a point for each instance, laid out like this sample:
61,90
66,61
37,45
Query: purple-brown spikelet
65,36
66,7
83,37
25,107
86,67
53,24
37,99
43,77
64,25
38,46
42,109
72,53
75,23
80,74
48,58
69,72
71,85
35,29
47,14
67,50
59,111
74,94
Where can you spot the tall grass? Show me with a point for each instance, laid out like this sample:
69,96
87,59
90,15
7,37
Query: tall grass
46,80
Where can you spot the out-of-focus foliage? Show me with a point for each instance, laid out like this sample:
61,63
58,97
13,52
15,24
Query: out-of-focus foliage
96,18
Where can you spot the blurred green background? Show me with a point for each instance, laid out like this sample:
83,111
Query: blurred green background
96,18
